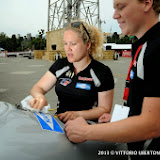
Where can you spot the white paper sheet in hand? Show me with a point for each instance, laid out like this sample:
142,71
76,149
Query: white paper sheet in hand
26,106
120,112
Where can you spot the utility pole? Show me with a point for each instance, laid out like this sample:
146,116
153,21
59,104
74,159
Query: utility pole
62,12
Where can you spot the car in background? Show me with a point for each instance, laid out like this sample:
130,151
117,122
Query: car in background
11,54
29,54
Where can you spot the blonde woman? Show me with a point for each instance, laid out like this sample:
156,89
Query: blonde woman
83,85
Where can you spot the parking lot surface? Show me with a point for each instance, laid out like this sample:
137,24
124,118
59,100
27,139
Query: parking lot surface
18,75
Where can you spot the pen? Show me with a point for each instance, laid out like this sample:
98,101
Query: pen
52,109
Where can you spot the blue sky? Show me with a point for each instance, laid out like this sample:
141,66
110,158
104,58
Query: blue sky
29,16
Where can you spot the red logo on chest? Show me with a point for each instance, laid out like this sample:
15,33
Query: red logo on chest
85,79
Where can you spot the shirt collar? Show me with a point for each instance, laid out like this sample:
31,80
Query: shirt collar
146,37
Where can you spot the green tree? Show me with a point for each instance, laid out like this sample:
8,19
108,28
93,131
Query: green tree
39,42
115,37
3,38
13,43
22,43
41,33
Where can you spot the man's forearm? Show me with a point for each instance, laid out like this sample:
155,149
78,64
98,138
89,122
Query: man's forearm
129,130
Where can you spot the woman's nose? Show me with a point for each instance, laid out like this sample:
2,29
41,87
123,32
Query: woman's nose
69,48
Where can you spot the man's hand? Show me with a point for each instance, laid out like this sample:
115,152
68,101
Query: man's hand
106,117
69,115
76,130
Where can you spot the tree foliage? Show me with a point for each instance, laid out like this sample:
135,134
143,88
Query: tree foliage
115,38
14,44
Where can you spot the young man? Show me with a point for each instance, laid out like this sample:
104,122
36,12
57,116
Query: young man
139,18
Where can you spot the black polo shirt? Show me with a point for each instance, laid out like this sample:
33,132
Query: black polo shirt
145,79
80,92
147,85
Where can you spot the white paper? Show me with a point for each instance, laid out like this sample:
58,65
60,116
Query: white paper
120,112
26,106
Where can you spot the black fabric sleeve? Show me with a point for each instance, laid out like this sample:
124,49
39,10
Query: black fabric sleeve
151,71
56,66
107,81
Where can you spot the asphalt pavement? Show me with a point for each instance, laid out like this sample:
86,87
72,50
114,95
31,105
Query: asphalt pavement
19,74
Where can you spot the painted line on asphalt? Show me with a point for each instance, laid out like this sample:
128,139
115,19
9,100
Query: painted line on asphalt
22,72
119,75
3,63
3,90
38,65
115,80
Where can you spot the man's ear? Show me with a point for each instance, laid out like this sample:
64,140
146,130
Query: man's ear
148,5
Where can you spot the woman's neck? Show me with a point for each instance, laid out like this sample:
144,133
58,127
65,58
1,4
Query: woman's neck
81,65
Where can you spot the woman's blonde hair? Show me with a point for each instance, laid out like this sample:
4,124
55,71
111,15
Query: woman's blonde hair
89,34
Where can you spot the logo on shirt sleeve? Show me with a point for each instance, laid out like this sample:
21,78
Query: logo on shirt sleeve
132,74
83,86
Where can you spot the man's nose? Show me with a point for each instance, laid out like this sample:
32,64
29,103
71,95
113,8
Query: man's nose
116,15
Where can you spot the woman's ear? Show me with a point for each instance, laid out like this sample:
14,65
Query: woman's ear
88,45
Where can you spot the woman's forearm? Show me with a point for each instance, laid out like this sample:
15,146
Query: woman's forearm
43,85
105,101
39,100
37,91
94,113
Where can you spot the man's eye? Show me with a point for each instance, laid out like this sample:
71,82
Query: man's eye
121,7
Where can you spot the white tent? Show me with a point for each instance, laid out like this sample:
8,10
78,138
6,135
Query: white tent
118,46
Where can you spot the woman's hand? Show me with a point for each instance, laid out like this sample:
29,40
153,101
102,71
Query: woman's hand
38,91
69,115
38,102
105,117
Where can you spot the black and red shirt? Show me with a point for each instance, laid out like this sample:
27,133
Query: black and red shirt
145,79
80,92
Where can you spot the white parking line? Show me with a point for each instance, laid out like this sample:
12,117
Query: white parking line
15,60
120,75
38,65
3,63
115,80
3,90
22,72
119,61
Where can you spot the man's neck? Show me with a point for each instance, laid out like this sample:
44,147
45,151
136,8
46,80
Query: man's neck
149,22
